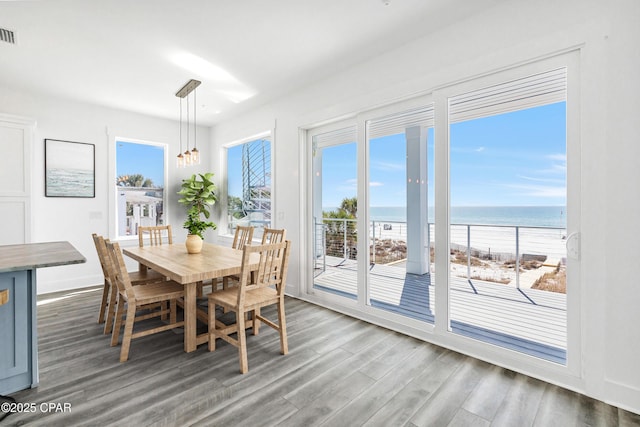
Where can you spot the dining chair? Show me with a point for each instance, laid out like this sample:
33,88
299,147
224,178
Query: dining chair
258,288
242,237
271,235
156,233
136,297
110,290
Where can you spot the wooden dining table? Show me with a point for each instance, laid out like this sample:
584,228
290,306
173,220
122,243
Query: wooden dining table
173,261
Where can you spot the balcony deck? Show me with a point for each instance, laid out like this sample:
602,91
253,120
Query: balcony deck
526,320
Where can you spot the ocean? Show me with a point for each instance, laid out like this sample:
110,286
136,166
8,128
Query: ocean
528,216
70,183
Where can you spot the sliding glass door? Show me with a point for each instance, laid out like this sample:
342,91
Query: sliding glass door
335,213
508,213
400,213
462,203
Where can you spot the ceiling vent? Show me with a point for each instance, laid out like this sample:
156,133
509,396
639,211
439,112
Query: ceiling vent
7,36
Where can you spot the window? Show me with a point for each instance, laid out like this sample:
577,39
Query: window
249,184
140,183
476,254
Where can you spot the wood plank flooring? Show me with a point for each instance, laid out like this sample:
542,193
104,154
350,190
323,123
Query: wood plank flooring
526,320
340,371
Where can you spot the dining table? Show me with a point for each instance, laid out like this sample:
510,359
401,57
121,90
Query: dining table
173,261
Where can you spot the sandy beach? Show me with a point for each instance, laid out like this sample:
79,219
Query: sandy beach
493,245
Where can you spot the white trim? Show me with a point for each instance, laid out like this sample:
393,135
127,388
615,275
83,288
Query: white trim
570,375
112,174
260,135
224,184
26,195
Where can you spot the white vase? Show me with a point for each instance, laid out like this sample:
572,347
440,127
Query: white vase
193,244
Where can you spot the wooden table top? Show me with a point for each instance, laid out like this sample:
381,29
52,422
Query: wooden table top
174,262
37,255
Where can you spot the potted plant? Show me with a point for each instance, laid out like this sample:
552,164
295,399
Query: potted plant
198,194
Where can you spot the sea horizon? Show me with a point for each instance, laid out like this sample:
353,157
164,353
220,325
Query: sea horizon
528,216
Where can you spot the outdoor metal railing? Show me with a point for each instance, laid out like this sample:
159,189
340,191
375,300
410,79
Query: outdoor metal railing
479,243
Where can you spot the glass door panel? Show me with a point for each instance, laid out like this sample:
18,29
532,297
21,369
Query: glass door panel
508,201
335,211
400,213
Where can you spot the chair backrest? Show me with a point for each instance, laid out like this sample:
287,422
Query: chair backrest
156,234
271,235
103,255
272,268
120,275
242,237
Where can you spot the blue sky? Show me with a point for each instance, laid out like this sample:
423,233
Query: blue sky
234,170
144,159
513,159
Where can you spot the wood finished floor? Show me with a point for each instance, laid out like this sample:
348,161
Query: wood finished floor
339,372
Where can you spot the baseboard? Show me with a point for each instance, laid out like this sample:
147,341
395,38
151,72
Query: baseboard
47,287
622,395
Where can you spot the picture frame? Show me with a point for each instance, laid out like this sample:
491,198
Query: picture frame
69,169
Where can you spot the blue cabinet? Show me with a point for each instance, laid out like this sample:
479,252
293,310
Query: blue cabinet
18,321
18,340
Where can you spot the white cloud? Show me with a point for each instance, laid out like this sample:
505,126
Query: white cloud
560,157
375,184
531,178
549,191
386,166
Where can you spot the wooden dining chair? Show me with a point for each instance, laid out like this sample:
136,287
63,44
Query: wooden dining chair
272,235
242,237
136,297
258,288
156,235
110,291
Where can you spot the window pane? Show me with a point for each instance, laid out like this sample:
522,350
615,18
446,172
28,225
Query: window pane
249,185
140,177
335,238
400,236
508,215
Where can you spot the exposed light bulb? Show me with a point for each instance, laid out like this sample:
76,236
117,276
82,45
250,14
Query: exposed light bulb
195,156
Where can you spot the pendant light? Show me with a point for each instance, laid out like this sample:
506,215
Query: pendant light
189,157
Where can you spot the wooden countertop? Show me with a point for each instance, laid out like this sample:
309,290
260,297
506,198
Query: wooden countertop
37,255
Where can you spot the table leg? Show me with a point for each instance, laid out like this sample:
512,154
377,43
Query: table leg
190,320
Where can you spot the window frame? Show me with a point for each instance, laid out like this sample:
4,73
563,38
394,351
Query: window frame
223,228
113,174
439,95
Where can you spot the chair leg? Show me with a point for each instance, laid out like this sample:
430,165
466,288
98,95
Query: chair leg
256,322
128,331
172,315
212,327
242,343
111,312
115,334
103,303
284,345
163,307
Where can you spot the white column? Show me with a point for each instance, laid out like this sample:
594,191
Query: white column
417,221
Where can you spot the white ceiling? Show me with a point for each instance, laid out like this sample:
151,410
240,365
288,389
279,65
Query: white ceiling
134,54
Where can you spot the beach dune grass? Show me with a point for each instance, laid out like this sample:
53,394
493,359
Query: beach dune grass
553,281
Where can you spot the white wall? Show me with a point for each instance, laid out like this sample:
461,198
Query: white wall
74,219
607,35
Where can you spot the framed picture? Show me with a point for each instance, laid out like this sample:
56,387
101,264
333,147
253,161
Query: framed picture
69,169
